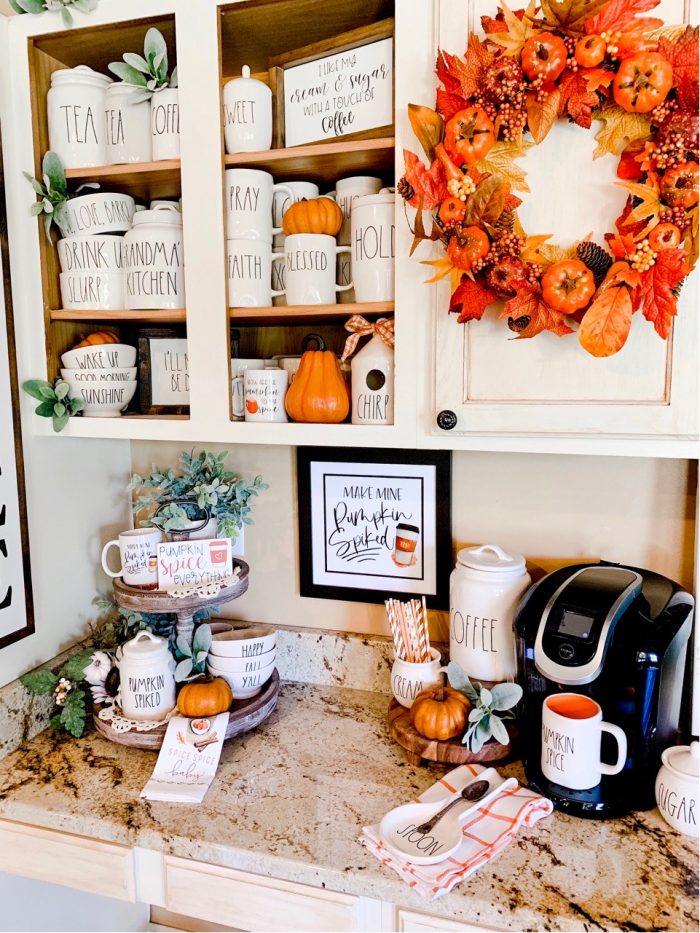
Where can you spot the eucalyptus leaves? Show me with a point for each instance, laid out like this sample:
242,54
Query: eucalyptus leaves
489,708
147,73
65,6
192,660
53,401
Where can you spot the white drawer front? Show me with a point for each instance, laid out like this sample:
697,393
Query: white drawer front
252,902
408,921
98,867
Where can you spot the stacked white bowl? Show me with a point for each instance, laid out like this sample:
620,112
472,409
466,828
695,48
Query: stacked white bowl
243,654
103,376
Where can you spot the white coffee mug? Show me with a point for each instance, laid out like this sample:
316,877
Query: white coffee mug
249,194
165,124
238,367
249,272
281,201
346,190
373,234
572,728
290,363
265,390
138,549
310,267
127,125
247,114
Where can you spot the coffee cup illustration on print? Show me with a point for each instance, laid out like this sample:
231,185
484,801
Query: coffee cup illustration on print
405,544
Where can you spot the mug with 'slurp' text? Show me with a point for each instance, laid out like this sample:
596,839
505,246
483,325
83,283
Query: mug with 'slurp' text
572,728
138,550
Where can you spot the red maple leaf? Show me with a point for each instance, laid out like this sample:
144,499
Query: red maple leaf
464,76
448,103
655,294
683,55
528,315
597,78
493,23
429,184
619,15
621,226
576,100
470,299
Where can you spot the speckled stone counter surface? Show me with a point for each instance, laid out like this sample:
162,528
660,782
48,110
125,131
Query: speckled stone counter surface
290,799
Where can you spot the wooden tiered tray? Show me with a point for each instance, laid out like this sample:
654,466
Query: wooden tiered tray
419,749
244,716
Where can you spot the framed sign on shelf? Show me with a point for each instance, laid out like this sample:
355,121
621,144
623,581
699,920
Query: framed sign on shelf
340,87
164,380
374,524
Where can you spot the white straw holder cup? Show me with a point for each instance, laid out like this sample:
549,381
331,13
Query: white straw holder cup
409,678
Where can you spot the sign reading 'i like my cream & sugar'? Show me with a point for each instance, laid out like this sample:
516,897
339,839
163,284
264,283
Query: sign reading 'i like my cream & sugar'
347,92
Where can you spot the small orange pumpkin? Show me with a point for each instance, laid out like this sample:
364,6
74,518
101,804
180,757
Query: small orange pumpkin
205,697
316,215
99,337
440,713
319,394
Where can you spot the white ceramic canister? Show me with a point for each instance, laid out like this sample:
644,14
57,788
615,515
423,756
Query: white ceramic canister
408,678
127,126
247,114
97,212
154,261
485,587
373,238
96,253
373,384
677,787
76,116
146,678
165,124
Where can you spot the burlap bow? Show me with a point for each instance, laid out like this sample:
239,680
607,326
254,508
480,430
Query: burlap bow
361,327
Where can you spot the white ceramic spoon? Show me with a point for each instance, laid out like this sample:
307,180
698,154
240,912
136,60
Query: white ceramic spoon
399,828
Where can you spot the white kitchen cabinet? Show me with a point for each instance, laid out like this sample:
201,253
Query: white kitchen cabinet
548,387
539,395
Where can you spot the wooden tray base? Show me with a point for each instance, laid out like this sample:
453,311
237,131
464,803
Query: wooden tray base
419,749
244,716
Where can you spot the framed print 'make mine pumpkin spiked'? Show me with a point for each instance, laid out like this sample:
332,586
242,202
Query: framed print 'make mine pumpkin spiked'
374,524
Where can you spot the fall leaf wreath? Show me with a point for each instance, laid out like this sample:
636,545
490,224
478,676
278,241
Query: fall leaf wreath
584,60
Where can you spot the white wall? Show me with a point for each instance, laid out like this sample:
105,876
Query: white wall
633,510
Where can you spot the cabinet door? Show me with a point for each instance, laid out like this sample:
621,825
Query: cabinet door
409,921
549,385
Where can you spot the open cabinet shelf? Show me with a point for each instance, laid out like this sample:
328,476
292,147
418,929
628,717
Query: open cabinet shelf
284,315
176,316
142,180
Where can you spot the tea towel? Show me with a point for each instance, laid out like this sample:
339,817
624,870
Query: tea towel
188,759
485,833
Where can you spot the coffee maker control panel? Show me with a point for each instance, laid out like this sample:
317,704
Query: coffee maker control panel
579,620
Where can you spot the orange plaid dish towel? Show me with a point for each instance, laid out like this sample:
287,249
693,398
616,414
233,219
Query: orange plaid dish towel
484,834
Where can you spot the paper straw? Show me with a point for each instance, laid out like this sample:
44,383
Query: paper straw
424,632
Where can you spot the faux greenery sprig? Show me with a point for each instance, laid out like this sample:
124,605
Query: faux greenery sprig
193,659
69,691
489,708
41,6
204,479
147,73
52,192
53,401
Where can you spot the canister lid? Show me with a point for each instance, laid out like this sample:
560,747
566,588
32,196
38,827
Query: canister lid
683,759
145,646
491,559
384,197
82,74
162,214
245,76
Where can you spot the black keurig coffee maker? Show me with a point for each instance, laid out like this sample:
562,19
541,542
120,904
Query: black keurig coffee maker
617,635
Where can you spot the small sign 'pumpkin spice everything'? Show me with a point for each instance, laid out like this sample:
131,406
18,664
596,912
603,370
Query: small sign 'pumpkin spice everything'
191,563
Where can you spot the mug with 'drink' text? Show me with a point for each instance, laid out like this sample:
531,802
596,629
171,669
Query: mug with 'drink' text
310,267
572,728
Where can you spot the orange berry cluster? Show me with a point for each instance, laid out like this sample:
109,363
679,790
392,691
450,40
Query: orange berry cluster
643,257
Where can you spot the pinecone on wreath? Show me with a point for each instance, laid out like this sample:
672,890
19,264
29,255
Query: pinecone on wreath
596,258
405,188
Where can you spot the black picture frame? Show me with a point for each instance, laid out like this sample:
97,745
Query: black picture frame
145,405
441,461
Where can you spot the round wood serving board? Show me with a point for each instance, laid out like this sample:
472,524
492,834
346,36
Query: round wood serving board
244,715
131,597
452,752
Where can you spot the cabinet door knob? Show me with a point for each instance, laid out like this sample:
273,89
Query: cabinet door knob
447,420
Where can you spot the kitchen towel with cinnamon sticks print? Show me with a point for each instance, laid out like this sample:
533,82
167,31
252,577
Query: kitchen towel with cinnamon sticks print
484,834
188,759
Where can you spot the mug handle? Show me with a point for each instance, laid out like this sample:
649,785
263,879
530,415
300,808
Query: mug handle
276,257
617,733
105,549
338,251
287,190
237,396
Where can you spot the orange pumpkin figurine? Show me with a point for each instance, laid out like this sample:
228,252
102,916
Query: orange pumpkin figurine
319,394
315,215
94,340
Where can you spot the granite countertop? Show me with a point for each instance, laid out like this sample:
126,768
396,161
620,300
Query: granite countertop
291,798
